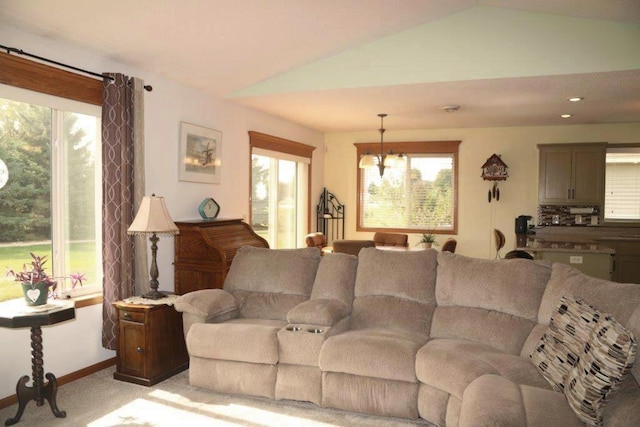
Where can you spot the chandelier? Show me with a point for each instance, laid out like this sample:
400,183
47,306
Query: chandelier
382,160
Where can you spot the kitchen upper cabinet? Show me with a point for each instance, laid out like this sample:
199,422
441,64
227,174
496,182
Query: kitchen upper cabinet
571,174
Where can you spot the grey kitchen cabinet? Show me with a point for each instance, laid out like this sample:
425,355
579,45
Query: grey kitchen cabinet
626,261
571,174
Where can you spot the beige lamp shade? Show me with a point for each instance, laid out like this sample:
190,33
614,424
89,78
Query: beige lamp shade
153,217
367,160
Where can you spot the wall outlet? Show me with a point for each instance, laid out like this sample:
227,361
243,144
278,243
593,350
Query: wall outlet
575,259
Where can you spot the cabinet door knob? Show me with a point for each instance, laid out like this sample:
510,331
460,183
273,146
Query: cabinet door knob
127,315
139,349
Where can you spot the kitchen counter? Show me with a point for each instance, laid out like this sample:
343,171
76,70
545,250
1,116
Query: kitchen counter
588,256
543,245
586,233
593,250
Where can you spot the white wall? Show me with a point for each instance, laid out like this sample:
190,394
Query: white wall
476,216
76,344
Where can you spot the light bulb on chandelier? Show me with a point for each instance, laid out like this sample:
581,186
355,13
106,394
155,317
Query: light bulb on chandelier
382,160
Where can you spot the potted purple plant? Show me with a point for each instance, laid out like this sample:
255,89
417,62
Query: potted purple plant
36,284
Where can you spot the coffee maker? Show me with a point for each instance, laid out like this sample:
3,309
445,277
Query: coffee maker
522,224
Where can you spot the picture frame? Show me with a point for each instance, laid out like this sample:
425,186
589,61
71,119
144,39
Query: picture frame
200,154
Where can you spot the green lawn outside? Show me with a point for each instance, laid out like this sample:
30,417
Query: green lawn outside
82,257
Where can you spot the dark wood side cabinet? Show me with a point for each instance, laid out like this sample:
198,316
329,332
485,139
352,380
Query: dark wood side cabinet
151,345
204,251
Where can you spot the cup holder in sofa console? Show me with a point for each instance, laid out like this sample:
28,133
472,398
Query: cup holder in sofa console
315,331
294,328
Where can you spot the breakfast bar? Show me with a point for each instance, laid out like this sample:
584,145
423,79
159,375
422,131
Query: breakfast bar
590,257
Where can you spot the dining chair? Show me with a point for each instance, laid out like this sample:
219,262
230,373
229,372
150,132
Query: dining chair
450,245
500,241
351,246
316,240
391,239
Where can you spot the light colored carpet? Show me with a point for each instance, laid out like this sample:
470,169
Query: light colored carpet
99,401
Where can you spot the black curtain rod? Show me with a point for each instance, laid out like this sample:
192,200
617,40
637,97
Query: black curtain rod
9,50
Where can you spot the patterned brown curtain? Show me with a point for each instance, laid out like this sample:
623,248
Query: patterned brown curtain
119,199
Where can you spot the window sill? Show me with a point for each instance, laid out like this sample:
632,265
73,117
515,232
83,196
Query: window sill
87,300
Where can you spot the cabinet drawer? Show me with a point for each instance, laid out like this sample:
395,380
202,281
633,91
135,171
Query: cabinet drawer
131,316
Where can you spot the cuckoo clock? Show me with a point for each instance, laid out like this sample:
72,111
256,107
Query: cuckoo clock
494,169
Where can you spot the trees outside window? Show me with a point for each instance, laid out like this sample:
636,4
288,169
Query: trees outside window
280,171
50,202
418,196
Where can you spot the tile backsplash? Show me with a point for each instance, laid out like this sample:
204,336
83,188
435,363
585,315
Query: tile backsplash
563,215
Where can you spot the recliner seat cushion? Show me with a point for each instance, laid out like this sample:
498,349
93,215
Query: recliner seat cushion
377,353
452,364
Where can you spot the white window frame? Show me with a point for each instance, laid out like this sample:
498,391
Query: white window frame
302,196
284,149
58,106
629,186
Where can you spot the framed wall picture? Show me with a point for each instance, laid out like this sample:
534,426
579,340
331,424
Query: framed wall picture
200,154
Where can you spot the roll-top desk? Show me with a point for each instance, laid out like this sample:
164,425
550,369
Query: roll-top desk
204,251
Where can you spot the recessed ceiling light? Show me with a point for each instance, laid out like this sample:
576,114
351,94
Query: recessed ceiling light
566,116
451,108
575,98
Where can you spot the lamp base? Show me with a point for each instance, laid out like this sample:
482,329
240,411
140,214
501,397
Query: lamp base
154,294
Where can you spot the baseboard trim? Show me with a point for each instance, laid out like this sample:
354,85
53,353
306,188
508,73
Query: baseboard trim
13,399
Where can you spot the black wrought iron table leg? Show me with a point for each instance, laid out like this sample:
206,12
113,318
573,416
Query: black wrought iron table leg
38,391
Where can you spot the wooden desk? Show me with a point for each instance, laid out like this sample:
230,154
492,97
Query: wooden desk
204,251
15,314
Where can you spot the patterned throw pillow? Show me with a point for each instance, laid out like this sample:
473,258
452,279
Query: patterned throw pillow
562,344
608,357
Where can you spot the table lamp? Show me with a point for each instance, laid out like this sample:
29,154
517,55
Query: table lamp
153,218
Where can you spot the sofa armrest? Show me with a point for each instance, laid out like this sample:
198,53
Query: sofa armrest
212,305
323,312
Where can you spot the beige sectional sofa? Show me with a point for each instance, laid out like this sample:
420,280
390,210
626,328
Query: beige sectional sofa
415,334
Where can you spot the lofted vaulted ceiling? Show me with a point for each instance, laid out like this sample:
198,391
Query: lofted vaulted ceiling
332,65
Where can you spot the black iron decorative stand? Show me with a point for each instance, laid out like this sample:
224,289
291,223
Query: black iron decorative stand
330,216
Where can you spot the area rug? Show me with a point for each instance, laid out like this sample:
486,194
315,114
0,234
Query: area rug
100,401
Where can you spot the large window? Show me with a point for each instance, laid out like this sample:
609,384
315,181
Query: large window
280,172
51,194
417,195
622,184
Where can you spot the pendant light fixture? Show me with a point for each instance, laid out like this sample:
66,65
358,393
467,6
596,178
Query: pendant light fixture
382,161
